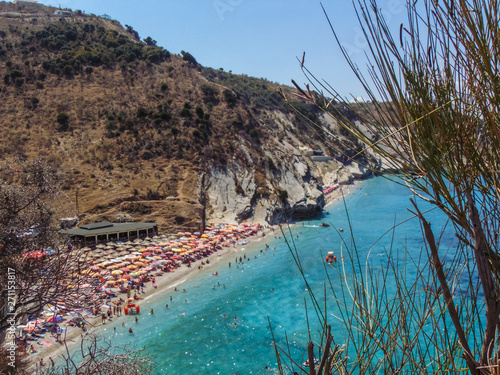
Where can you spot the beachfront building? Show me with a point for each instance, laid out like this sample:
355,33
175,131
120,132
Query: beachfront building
105,231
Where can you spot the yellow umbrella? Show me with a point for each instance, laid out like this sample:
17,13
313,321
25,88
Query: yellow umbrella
116,272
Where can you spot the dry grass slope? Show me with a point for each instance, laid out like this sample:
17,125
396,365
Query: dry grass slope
128,124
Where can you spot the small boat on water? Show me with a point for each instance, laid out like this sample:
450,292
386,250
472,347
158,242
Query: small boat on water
330,257
324,225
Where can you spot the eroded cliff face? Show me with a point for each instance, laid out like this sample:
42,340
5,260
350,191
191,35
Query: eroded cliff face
287,187
290,193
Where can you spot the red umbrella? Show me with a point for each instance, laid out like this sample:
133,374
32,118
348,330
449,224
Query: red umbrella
34,254
126,276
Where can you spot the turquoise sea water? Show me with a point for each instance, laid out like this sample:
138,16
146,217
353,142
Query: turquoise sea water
197,334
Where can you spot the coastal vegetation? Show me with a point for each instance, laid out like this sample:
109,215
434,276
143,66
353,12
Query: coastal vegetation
30,280
435,86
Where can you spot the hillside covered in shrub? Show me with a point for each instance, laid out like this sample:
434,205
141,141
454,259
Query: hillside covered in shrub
127,121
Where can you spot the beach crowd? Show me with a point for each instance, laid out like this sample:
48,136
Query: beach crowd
116,276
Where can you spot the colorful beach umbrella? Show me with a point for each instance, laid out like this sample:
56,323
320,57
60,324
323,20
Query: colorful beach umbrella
54,319
35,322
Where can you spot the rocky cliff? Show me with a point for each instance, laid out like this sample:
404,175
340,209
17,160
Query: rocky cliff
289,187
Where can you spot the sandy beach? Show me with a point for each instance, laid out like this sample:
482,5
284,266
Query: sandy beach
72,335
342,190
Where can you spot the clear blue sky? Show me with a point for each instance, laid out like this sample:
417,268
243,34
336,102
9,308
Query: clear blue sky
260,38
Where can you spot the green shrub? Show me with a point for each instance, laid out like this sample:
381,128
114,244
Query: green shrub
147,155
186,56
199,112
229,97
34,102
63,121
150,41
